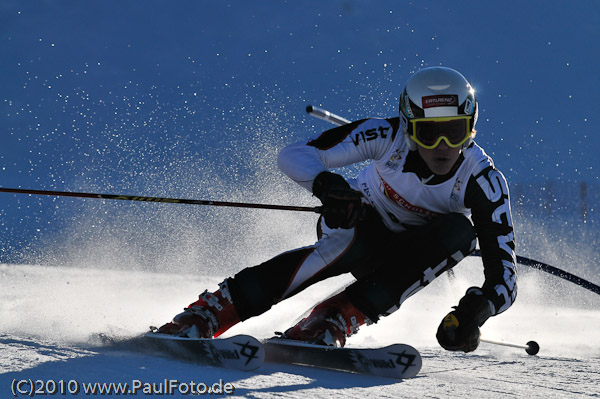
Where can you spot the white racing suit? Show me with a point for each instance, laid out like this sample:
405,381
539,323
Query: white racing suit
416,224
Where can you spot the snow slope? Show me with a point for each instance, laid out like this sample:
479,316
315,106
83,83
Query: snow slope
48,315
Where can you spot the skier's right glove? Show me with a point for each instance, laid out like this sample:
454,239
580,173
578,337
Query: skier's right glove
341,204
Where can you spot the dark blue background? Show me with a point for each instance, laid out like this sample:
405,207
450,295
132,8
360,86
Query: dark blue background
194,98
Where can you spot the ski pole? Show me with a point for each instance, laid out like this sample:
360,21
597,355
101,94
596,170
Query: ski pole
160,199
326,115
315,111
555,271
532,347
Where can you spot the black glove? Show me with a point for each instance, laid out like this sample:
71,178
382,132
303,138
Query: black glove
341,204
459,330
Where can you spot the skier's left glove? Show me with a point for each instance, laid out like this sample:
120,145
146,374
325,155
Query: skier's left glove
459,330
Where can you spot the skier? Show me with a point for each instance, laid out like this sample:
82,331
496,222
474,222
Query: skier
404,221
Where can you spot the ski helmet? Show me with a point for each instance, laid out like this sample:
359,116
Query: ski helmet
434,94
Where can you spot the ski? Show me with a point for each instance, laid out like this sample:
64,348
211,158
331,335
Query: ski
241,352
395,361
244,352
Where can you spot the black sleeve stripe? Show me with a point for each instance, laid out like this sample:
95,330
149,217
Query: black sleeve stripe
332,137
395,123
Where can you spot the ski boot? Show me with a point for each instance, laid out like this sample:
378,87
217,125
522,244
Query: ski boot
210,316
330,323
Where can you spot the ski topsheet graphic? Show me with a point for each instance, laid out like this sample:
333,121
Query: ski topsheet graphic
241,352
394,361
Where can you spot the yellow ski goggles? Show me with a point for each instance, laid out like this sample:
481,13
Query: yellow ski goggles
429,132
